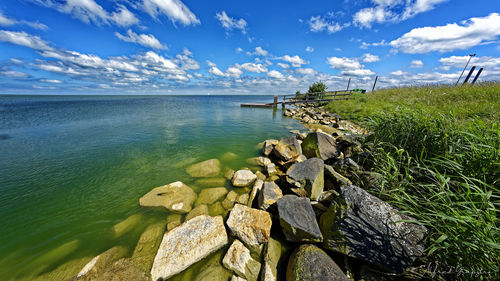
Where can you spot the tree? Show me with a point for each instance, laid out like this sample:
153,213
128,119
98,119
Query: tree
317,87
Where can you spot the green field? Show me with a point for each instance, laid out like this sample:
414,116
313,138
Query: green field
438,150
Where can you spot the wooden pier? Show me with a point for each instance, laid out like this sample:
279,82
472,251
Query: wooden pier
308,98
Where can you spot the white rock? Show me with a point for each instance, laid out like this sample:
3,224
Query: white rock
238,259
243,178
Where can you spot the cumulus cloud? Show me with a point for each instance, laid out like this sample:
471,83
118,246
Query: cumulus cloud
147,40
275,74
446,38
6,21
253,67
369,58
24,39
175,10
234,72
306,71
258,52
230,23
320,23
349,66
309,49
239,50
215,71
460,61
296,61
283,65
416,64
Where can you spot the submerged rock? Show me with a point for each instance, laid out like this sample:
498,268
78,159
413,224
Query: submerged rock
210,182
319,145
243,178
126,225
212,270
297,219
187,244
123,269
250,225
176,197
147,246
310,263
230,200
95,268
238,259
269,194
205,169
229,156
272,254
308,175
197,211
362,226
209,196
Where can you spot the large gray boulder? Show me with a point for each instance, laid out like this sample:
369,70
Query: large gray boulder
319,145
243,178
297,219
362,226
287,149
238,259
187,244
310,263
309,175
269,194
251,226
205,169
176,197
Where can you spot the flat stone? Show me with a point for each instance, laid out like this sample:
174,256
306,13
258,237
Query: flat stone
209,196
147,246
319,145
269,194
243,178
255,191
272,254
197,211
259,161
176,197
123,269
271,169
205,169
93,269
309,175
362,226
251,226
287,149
238,259
243,198
310,263
187,244
269,146
297,219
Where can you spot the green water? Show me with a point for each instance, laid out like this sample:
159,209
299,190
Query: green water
72,167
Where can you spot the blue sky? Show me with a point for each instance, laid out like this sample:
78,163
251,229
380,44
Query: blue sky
240,47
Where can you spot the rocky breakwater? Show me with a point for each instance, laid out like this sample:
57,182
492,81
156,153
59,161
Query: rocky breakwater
301,212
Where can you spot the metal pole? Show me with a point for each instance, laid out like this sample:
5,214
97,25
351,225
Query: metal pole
470,57
348,84
469,75
374,83
477,75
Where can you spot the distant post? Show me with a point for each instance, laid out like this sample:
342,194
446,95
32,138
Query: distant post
348,84
477,75
275,102
470,57
469,75
374,83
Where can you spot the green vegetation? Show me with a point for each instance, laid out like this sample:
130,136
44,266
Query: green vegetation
317,87
438,149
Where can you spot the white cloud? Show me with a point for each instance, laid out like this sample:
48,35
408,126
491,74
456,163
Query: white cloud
239,50
344,63
186,61
275,74
420,6
470,33
416,64
53,81
6,21
369,58
460,61
89,11
142,39
230,23
309,49
210,63
399,73
175,10
14,74
296,61
234,72
357,72
258,52
215,71
319,23
283,65
306,71
253,67
24,39
367,16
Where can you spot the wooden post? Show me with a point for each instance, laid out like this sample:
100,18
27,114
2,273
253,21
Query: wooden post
283,104
469,75
477,75
374,83
348,84
275,102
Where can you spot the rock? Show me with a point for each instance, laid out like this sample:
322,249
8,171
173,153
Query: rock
197,211
260,175
271,169
205,169
145,250
230,200
210,182
187,244
269,146
259,146
212,270
123,269
259,161
310,263
255,190
176,197
210,195
301,136
308,175
252,226
319,145
287,149
237,278
348,168
243,199
269,194
243,178
229,156
216,209
126,225
337,179
229,173
94,269
238,259
272,254
362,226
297,219
371,180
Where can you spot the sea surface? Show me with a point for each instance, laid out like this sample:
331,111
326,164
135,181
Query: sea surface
72,167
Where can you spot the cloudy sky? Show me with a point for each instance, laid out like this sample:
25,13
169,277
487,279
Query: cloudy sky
240,47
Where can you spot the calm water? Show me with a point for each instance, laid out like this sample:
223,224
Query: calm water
71,167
